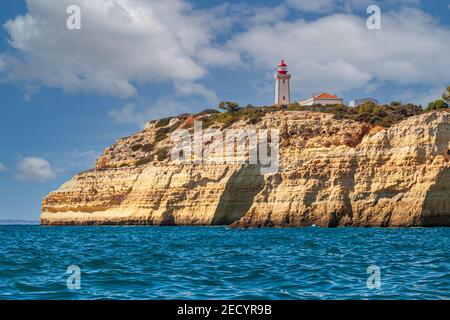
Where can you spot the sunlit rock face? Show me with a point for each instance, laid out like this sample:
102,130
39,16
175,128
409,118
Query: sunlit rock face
331,173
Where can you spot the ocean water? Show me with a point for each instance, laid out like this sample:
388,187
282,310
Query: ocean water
223,263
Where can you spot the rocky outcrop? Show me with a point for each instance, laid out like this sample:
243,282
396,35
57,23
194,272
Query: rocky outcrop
332,173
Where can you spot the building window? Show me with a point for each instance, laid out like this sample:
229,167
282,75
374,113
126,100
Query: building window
284,97
284,81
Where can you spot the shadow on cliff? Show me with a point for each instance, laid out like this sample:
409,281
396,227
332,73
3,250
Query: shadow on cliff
436,207
343,216
238,196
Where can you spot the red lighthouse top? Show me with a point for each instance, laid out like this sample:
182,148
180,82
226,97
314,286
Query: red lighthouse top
282,68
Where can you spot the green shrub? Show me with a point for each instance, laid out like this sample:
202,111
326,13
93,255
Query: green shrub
252,115
184,116
368,106
163,132
162,154
147,147
229,106
163,122
255,118
379,111
207,111
383,115
143,161
410,109
225,118
294,106
437,105
136,147
446,95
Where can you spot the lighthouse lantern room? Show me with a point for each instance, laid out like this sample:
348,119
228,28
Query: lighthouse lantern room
282,85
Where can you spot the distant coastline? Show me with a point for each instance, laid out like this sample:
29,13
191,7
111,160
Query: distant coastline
9,222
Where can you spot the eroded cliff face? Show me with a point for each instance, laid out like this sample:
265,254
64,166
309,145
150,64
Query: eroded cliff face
332,173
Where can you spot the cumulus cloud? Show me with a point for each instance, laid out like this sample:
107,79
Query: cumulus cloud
35,169
422,97
190,88
328,6
123,43
140,114
120,42
338,53
2,167
128,114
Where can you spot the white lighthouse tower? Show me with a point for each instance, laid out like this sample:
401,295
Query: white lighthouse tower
282,85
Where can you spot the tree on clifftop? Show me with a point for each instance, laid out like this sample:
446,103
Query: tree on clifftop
446,95
440,104
229,106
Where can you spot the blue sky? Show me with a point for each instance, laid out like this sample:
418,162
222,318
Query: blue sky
65,95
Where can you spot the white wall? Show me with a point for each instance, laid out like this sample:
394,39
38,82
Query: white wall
324,102
282,91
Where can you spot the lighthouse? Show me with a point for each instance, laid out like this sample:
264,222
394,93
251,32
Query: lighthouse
282,85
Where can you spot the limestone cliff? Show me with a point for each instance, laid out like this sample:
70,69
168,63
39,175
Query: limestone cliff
332,173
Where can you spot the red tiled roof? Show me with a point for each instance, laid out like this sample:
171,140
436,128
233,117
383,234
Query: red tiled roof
325,96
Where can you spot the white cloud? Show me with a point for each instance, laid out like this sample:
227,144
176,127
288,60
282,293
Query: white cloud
2,62
313,5
2,167
164,107
29,91
338,53
328,6
79,159
63,163
127,114
126,42
422,97
35,169
220,57
190,88
263,15
120,42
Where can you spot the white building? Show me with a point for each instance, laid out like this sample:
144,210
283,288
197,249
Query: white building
322,99
357,102
282,85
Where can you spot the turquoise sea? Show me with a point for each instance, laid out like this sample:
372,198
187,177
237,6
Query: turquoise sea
223,263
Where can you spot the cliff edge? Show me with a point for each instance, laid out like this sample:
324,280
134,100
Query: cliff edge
331,173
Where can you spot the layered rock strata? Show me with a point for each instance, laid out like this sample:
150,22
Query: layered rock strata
331,173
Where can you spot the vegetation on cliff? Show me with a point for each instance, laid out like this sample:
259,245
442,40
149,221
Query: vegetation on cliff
440,103
147,148
384,115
